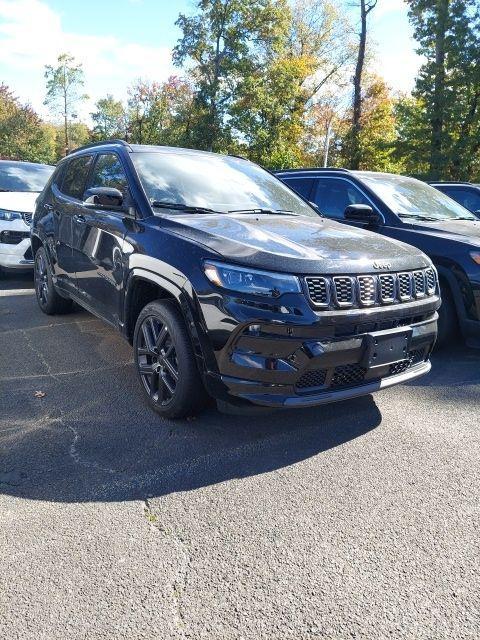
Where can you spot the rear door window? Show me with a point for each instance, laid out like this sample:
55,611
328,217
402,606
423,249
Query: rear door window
334,195
75,177
302,186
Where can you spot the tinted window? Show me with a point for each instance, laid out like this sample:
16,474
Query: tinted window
222,183
303,186
75,177
468,198
24,176
108,172
410,198
334,195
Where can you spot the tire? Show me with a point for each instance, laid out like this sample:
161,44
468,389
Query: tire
165,361
49,300
448,319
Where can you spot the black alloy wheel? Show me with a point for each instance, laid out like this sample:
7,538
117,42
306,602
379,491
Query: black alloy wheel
157,360
49,300
166,362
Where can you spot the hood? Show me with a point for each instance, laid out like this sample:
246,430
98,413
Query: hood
22,201
294,244
466,231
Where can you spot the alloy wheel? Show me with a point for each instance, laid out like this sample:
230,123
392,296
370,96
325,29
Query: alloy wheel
41,278
157,360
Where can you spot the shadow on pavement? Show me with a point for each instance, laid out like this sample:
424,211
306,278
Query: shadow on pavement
90,436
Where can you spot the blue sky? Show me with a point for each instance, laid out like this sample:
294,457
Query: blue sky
120,40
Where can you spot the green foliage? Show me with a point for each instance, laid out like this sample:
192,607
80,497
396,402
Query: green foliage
448,85
63,91
23,136
220,45
161,113
109,118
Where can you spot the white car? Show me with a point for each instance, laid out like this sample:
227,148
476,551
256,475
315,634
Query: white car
20,184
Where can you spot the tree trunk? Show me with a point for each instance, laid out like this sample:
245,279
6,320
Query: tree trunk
65,115
365,8
357,89
438,105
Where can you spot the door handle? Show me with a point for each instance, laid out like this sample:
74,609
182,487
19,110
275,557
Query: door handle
79,218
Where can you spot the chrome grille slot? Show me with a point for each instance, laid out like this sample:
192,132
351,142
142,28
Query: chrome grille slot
318,291
405,287
419,284
27,217
387,287
343,291
367,288
431,281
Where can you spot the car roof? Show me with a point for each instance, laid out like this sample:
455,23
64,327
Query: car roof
143,148
453,183
24,163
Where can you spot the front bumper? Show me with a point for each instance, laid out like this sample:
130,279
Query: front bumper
301,365
15,246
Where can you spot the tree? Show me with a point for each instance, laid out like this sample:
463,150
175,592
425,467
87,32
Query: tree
23,135
219,43
271,111
366,6
110,120
63,90
448,85
161,113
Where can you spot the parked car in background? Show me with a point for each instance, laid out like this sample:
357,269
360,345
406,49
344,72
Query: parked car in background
414,212
20,184
226,282
465,193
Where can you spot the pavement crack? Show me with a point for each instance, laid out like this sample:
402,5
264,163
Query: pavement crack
184,556
40,356
76,456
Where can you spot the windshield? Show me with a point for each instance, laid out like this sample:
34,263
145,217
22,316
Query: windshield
24,176
222,183
411,198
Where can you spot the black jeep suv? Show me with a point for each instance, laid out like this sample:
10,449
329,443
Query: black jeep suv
227,282
409,210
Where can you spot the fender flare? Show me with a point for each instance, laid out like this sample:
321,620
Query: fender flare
185,298
446,274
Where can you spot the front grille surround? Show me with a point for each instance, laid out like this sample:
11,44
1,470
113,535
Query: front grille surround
370,290
344,291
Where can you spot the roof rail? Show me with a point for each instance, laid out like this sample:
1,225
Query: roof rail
304,169
99,144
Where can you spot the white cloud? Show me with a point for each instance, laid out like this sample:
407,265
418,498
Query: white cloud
31,36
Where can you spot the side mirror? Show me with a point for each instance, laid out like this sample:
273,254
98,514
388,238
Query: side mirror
363,213
103,197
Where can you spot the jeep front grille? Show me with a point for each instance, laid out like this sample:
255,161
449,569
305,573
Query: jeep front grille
370,290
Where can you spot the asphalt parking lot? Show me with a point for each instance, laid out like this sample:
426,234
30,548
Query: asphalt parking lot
356,520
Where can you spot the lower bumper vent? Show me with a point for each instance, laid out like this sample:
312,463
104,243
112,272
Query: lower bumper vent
350,375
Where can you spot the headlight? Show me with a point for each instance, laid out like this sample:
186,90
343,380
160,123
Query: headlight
475,256
244,280
9,215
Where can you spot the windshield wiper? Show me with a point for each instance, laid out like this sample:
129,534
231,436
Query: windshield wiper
418,217
280,212
179,206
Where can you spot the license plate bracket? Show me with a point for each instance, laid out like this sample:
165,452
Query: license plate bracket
387,347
